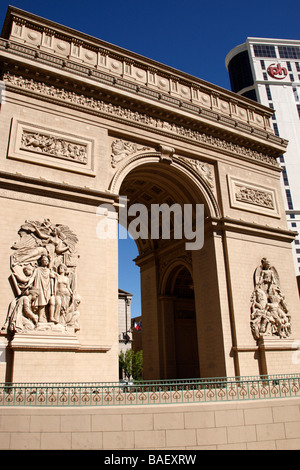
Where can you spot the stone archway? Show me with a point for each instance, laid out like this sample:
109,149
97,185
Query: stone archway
77,132
173,322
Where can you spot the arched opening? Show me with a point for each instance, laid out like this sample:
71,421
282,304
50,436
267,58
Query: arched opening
178,303
173,312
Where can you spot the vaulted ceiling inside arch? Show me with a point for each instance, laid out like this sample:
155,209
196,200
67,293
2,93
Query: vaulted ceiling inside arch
158,183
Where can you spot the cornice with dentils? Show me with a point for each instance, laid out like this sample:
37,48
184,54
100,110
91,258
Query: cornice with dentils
70,34
29,54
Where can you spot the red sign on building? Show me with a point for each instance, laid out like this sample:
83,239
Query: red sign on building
276,71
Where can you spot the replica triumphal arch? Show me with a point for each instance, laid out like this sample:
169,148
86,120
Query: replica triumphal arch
84,122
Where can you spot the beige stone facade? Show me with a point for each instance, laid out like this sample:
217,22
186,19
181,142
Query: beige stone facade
84,122
266,425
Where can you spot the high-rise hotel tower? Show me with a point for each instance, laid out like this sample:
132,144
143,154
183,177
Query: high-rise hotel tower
268,71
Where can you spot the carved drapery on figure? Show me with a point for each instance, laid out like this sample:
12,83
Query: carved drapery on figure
269,312
43,276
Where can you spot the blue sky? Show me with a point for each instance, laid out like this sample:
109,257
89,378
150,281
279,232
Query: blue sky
192,36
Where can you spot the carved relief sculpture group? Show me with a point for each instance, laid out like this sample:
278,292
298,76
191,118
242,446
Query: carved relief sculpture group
256,197
43,277
51,145
269,312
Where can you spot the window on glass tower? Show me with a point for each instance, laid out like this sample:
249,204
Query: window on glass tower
289,52
263,50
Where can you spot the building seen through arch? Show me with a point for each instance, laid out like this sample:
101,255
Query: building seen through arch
181,349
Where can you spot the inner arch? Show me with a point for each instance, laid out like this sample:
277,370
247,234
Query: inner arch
159,183
168,315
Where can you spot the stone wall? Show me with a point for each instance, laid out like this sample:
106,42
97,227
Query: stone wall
257,425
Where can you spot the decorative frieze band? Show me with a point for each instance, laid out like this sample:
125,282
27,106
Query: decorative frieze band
120,112
96,55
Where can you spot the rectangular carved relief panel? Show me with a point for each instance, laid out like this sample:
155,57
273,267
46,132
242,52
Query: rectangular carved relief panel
48,147
252,197
47,144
